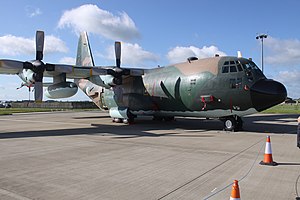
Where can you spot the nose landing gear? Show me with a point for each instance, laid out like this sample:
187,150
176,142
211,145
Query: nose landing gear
233,123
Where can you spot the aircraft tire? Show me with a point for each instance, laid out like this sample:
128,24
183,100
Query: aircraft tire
230,124
128,121
117,120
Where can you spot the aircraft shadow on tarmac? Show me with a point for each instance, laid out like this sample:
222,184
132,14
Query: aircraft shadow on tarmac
92,117
143,128
279,123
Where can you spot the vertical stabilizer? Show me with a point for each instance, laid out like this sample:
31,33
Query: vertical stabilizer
85,58
84,53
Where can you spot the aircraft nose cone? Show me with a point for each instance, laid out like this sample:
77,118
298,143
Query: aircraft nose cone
266,93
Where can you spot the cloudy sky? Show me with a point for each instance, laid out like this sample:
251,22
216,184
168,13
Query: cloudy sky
153,33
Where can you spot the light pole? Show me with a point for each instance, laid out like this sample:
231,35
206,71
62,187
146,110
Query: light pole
262,36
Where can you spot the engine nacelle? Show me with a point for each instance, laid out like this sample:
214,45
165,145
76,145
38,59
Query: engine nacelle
61,90
27,76
111,81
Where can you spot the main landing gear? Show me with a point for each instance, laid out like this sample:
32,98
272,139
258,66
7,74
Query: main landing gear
130,120
233,123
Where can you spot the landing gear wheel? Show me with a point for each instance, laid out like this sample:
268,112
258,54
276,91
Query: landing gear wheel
117,120
128,121
230,124
233,123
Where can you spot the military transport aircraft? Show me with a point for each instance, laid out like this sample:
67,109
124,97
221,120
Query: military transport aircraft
226,87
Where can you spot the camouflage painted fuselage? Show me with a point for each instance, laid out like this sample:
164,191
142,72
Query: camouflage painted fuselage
217,87
199,88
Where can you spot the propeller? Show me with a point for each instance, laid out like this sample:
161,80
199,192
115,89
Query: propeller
118,72
38,67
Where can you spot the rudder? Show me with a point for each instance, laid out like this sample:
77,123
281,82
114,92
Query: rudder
84,53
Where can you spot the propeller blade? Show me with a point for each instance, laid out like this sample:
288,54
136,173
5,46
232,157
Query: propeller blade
38,91
39,42
118,53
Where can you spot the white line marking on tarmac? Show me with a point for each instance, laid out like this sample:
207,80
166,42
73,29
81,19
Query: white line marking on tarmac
213,190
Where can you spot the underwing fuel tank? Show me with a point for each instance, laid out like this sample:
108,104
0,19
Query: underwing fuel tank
61,90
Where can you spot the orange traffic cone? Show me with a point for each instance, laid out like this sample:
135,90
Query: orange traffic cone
268,159
235,191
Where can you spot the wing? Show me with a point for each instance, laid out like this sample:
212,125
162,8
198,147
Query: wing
32,72
10,66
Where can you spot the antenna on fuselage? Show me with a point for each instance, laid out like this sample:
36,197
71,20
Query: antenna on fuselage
239,54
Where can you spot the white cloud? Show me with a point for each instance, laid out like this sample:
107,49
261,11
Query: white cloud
32,11
180,54
54,44
14,46
134,56
68,60
282,52
291,79
93,19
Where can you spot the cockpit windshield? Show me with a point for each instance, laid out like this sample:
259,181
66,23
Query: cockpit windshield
249,65
231,67
239,65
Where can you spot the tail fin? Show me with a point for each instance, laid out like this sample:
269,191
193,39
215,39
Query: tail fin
84,53
85,58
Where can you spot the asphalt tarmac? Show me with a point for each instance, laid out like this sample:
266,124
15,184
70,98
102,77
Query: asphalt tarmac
83,155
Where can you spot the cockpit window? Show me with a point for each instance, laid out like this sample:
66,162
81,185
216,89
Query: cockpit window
250,65
239,67
233,68
225,69
253,65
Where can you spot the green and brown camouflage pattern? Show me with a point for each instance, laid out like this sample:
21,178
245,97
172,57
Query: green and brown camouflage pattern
180,89
194,88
